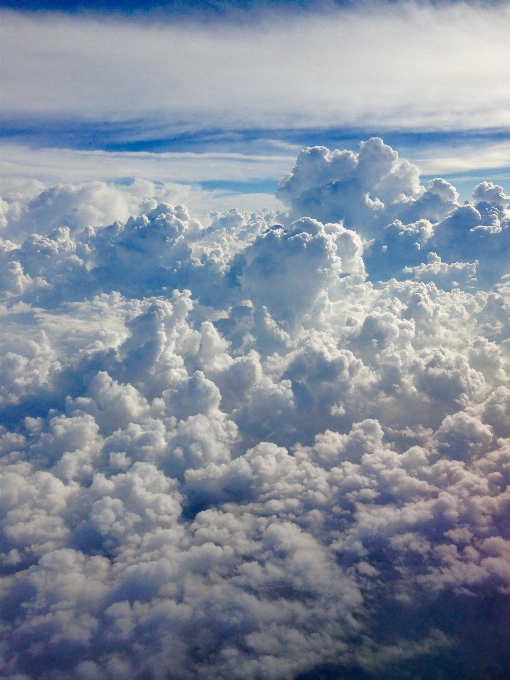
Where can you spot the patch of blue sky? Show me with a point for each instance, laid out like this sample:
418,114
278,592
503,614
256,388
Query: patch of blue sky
211,8
223,187
173,7
158,136
228,188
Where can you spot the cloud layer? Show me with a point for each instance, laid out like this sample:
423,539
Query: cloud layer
335,67
274,446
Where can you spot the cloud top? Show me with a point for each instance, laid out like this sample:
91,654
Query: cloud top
268,447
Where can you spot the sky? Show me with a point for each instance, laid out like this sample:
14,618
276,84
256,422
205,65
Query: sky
254,82
254,340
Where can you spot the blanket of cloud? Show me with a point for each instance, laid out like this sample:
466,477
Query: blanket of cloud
147,80
274,447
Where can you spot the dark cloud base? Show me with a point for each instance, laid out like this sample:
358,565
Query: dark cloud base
481,625
275,447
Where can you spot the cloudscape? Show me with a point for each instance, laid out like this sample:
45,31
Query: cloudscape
255,344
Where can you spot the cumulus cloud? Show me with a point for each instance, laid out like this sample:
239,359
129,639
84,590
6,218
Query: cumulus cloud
269,447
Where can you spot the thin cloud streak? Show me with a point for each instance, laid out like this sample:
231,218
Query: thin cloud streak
78,166
444,160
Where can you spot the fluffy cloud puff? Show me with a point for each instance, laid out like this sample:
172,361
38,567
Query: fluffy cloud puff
270,448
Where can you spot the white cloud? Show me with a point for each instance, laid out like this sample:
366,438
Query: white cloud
70,165
174,177
405,65
252,459
23,169
464,157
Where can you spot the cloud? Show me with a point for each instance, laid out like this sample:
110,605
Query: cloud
270,446
60,165
218,182
443,159
355,188
174,177
224,73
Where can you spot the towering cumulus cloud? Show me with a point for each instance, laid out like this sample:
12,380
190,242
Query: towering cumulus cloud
274,447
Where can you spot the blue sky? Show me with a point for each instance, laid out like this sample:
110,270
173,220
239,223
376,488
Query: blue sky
253,82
